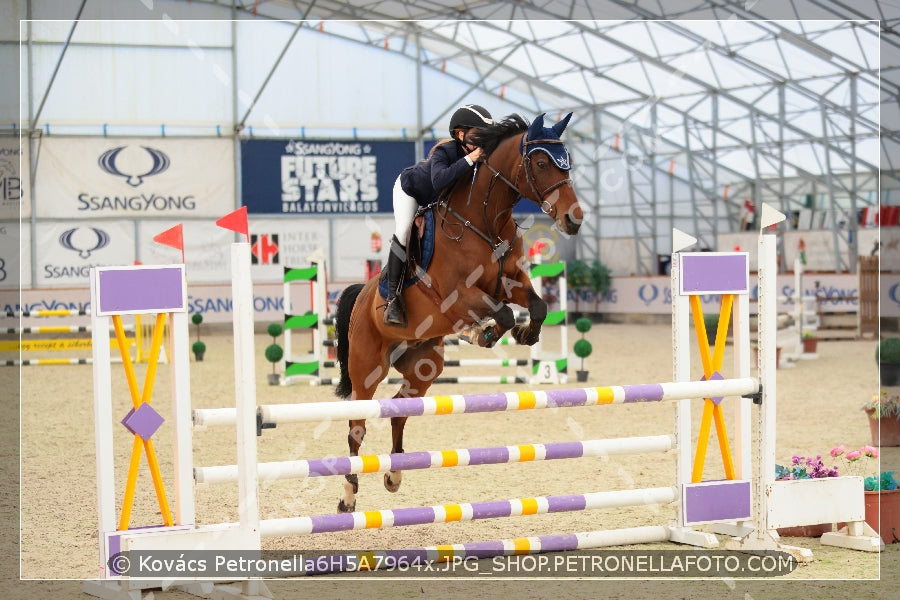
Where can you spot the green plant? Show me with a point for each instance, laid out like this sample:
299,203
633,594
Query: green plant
888,351
275,329
595,276
583,349
198,347
196,319
711,322
808,335
274,353
883,405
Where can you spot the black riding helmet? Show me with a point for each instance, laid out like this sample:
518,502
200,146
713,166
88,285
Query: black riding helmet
470,115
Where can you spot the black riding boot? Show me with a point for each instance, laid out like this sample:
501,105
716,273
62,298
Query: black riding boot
395,311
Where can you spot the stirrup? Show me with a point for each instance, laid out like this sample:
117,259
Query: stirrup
400,319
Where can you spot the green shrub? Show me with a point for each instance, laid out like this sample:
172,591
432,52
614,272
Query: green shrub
198,347
888,351
274,353
583,325
275,329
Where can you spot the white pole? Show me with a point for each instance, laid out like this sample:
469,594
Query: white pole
766,430
179,367
106,482
245,387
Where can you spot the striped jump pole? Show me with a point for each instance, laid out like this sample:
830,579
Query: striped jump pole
56,312
58,342
382,463
564,542
485,402
467,511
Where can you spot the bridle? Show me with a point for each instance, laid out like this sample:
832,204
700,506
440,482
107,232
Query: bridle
525,164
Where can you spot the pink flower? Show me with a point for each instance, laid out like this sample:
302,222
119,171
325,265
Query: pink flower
869,451
835,452
854,455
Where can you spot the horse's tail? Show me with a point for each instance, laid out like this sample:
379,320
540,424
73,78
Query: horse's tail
342,329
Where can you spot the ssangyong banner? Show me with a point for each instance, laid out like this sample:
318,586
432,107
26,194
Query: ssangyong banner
89,178
67,251
13,178
316,177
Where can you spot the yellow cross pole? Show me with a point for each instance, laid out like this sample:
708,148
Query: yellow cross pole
137,399
712,412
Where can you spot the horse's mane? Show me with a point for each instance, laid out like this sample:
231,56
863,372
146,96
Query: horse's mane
490,137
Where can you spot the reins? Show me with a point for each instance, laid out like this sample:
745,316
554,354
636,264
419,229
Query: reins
500,248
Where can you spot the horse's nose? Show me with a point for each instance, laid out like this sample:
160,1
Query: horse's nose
573,218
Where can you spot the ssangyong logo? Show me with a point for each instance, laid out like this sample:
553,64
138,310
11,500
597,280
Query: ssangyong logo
108,160
80,241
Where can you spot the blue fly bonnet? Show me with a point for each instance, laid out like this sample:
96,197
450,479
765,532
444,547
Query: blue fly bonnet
546,140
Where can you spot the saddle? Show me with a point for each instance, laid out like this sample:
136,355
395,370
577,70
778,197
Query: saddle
419,250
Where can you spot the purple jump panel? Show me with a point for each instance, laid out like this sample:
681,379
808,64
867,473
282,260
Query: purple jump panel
140,290
713,501
714,273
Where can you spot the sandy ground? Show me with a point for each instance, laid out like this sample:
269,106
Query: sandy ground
819,404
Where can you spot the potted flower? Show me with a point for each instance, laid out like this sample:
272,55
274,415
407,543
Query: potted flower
887,355
881,491
582,347
810,342
851,463
198,347
274,352
803,467
883,411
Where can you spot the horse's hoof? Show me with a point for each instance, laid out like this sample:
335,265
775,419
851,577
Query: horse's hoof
390,485
343,508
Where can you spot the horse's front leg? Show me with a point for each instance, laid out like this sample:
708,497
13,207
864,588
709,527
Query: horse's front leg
529,333
504,320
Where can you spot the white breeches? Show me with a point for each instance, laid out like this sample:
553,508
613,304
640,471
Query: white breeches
405,207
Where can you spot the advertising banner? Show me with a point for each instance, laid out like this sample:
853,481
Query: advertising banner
13,178
15,256
361,247
67,251
206,249
279,243
88,178
316,177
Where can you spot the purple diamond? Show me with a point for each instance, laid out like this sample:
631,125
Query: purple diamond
716,376
143,422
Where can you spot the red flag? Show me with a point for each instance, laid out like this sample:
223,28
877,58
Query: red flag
173,237
236,221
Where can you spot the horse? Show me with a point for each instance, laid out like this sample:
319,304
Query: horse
477,270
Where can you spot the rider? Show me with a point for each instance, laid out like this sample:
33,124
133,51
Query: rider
420,185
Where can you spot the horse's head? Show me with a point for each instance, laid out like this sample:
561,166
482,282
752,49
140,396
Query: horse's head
547,165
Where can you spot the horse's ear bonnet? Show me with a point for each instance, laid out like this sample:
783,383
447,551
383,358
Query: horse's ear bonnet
556,151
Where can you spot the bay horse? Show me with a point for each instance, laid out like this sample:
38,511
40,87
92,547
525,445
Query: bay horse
477,270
